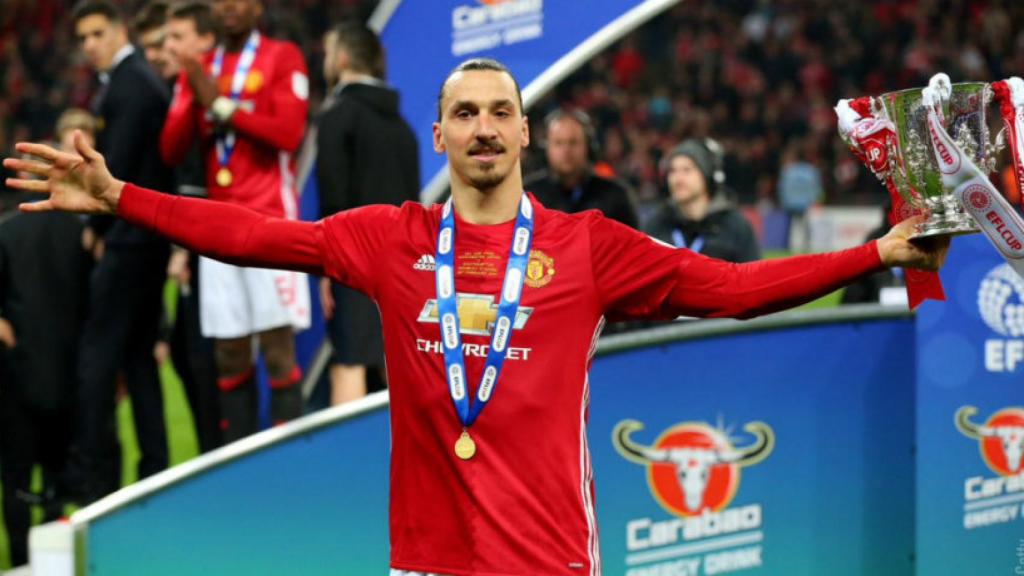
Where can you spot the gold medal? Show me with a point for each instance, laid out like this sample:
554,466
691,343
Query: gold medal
224,177
465,448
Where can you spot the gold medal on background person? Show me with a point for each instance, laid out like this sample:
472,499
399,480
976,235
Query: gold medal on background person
465,447
224,177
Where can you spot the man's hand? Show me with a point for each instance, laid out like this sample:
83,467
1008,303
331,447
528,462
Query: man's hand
93,244
896,248
98,249
326,298
203,87
75,182
88,239
7,334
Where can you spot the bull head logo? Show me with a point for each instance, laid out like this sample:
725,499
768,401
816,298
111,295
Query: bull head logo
692,466
1001,439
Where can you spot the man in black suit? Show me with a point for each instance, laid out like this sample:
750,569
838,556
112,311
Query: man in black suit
369,156
127,283
42,307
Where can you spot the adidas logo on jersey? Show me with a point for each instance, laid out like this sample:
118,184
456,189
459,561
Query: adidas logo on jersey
425,263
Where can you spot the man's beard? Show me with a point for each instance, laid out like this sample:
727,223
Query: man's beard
487,176
487,179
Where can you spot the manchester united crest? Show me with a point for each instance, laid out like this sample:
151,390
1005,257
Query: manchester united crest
539,270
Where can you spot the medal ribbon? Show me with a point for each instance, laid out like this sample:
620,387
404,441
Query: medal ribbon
226,143
448,316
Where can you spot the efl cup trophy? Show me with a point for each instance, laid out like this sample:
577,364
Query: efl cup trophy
910,163
933,149
917,175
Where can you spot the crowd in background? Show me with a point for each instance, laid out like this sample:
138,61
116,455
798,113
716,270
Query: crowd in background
759,76
762,78
42,72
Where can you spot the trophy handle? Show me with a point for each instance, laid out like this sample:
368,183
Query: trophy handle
1000,141
992,153
937,95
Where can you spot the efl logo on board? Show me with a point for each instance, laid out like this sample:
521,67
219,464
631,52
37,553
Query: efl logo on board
1001,304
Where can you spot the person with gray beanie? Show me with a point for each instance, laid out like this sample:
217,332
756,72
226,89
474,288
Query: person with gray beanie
698,213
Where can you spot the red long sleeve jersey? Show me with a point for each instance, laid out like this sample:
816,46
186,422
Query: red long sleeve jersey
525,503
269,124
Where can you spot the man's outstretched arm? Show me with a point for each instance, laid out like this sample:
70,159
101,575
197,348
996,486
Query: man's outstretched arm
713,288
638,277
226,232
710,288
81,183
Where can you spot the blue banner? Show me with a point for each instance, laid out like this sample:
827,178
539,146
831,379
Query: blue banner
970,417
425,39
776,452
316,503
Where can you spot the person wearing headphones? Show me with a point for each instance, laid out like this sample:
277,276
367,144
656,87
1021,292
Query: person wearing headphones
698,213
569,183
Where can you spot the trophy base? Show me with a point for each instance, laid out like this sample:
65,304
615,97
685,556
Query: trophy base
948,218
927,230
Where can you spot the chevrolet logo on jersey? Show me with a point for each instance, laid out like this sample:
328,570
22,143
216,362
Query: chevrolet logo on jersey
477,314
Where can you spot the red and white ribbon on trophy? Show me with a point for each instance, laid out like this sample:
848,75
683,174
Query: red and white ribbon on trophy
1009,94
872,140
993,214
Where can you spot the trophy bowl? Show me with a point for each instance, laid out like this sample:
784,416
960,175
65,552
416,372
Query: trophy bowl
913,166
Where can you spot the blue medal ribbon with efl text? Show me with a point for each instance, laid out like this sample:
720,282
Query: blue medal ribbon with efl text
226,142
448,316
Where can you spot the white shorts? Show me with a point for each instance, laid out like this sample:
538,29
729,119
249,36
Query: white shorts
236,302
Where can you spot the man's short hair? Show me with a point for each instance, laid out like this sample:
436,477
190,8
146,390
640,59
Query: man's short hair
87,8
474,64
363,47
75,119
152,16
198,12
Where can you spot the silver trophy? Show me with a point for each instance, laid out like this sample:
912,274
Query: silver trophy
913,166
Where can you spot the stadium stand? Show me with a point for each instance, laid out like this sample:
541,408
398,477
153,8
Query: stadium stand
758,76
